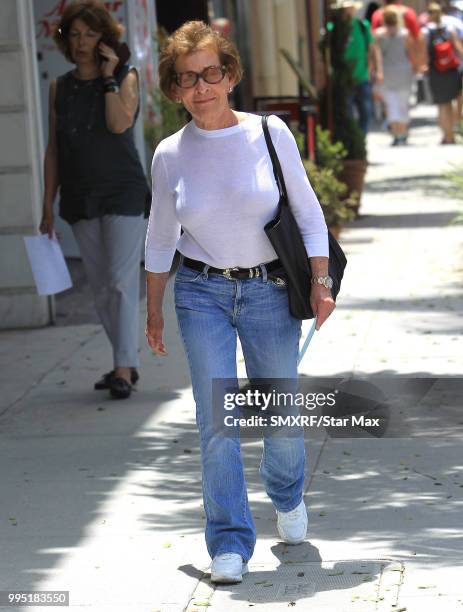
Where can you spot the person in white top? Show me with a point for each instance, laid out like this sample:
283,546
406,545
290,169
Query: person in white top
398,59
214,180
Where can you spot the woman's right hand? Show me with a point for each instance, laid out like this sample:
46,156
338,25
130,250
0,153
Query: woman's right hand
47,223
154,329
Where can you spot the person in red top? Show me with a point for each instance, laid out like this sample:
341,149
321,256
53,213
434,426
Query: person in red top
410,19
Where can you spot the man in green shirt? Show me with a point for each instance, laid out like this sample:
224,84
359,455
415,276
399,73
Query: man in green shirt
363,54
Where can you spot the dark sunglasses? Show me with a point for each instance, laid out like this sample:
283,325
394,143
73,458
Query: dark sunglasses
210,74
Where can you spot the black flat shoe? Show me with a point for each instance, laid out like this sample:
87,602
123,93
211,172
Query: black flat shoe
119,388
105,380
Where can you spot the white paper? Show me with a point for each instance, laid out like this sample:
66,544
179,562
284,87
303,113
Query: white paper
48,265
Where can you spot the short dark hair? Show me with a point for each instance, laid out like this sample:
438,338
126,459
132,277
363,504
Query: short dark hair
95,15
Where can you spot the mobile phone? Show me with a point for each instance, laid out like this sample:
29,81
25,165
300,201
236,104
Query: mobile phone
121,50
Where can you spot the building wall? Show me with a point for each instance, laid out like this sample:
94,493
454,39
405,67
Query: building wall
276,24
21,154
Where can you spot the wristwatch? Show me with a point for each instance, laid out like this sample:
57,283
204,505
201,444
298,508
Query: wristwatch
326,281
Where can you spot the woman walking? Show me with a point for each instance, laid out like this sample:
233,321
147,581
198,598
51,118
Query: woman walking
398,59
443,63
214,179
91,157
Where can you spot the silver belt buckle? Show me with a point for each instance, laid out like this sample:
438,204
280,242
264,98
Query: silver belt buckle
254,272
227,274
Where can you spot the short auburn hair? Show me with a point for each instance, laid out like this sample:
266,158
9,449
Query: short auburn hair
190,37
92,13
390,16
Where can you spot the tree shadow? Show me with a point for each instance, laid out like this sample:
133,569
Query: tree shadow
430,184
65,451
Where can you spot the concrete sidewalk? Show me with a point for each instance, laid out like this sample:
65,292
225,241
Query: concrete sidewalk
103,498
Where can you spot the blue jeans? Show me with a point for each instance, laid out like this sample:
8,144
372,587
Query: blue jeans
211,312
361,100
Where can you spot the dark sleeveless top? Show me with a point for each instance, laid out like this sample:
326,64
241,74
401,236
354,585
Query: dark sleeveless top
100,172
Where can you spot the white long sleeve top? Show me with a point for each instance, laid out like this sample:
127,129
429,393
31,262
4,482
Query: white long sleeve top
219,187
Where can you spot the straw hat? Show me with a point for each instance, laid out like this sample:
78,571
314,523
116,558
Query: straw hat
341,4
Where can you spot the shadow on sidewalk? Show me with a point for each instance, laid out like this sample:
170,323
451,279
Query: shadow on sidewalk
431,184
408,220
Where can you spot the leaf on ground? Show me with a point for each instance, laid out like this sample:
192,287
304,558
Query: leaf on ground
202,603
300,574
322,513
357,572
335,573
167,545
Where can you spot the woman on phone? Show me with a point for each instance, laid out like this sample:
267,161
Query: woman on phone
91,157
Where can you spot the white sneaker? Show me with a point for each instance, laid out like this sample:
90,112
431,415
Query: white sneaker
228,568
292,526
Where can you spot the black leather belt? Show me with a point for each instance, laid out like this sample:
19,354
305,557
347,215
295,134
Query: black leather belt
232,273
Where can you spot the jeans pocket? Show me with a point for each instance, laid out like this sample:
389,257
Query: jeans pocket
187,275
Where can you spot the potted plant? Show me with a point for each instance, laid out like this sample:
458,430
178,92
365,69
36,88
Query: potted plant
338,206
165,117
169,118
334,105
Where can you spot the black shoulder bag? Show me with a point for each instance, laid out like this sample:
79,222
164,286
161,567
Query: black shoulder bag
285,237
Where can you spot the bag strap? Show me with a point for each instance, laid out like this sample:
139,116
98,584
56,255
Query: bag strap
277,171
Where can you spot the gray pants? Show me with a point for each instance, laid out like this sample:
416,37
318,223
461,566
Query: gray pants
110,247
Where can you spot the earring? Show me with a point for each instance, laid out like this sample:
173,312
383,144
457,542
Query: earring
230,90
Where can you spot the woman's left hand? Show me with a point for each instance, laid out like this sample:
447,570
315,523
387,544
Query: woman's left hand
322,303
110,59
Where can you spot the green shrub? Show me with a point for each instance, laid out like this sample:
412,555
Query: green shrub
331,193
